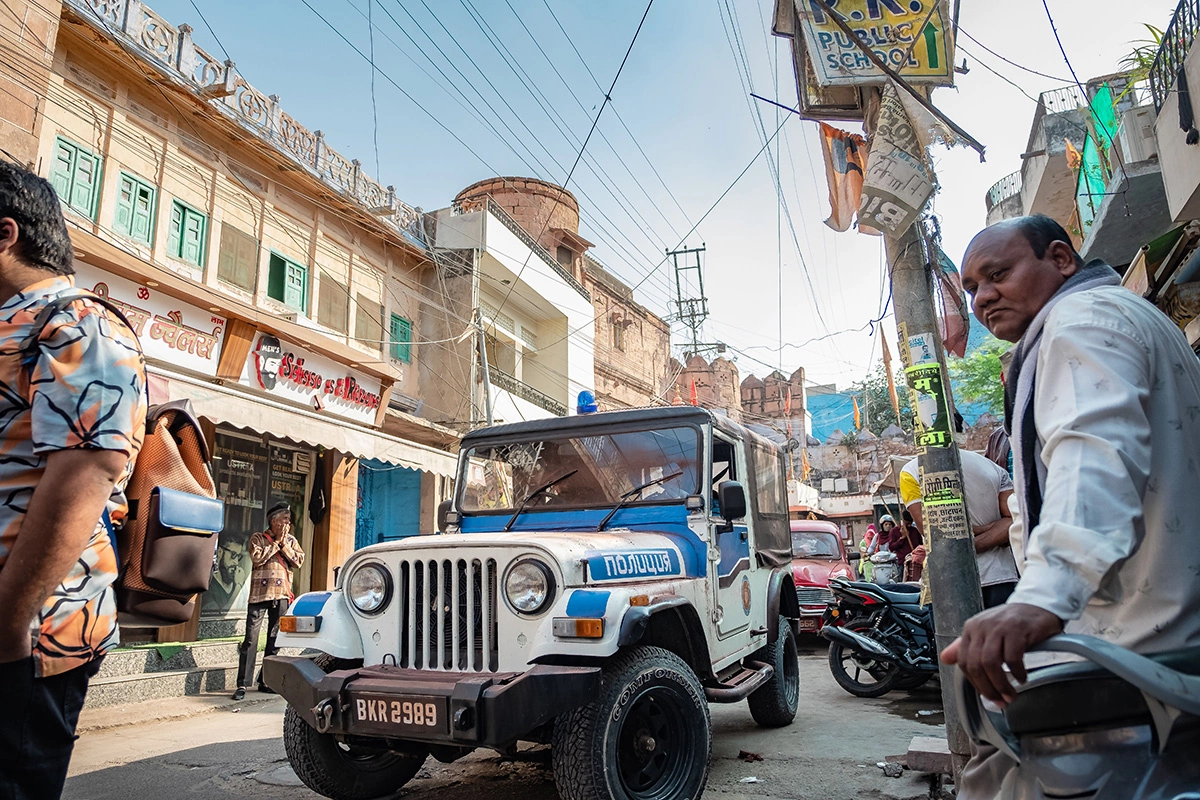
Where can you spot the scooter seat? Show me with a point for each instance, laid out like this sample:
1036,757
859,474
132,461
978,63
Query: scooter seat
1068,697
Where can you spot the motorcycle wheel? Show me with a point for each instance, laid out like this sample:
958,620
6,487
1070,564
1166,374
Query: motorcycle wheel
858,675
907,681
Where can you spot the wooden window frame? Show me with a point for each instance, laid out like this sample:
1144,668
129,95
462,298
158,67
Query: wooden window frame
290,263
175,243
137,183
57,177
399,350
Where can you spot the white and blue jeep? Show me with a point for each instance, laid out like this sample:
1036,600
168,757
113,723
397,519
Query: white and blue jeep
599,581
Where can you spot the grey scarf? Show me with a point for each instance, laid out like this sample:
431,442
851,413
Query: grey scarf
1018,393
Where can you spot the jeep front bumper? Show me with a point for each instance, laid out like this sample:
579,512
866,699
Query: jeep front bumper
466,709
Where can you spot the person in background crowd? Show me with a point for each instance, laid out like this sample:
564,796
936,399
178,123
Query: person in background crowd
987,490
274,554
72,418
1101,403
900,539
867,547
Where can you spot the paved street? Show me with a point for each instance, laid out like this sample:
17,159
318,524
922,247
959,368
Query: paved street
829,753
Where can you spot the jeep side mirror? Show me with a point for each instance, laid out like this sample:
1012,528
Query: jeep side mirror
732,499
854,557
447,518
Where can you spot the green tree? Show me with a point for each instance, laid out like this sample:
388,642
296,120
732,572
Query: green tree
878,410
976,378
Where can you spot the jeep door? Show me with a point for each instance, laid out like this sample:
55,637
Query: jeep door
734,588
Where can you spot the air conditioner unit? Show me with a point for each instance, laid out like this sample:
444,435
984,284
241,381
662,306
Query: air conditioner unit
827,485
841,485
1135,135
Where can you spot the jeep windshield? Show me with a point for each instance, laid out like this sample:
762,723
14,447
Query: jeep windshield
607,468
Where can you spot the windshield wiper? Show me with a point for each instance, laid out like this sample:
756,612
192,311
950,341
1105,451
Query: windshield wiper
535,493
626,497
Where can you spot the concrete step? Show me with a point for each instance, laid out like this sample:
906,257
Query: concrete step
167,658
119,689
124,714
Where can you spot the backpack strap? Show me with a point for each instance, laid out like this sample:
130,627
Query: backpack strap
29,346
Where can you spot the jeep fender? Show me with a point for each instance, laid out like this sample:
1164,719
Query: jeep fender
338,634
781,600
689,632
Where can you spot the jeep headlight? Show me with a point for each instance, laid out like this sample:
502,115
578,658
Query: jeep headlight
369,588
529,586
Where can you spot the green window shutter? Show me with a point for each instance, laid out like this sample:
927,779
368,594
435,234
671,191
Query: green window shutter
84,183
175,237
401,335
63,171
193,237
143,213
126,191
276,278
295,291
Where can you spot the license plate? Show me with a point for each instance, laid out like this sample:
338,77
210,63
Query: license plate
808,623
389,714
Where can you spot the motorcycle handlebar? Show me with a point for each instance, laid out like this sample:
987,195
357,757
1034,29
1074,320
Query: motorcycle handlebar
1167,688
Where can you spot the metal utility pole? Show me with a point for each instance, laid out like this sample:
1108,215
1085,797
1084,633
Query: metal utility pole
693,310
950,563
483,362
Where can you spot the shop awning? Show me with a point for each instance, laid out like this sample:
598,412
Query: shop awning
236,408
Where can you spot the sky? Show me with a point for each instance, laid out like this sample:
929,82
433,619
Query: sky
449,110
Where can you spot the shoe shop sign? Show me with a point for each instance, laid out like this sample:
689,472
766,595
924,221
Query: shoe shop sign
170,331
287,372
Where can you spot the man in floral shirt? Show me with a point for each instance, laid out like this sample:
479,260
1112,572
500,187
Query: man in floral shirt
72,420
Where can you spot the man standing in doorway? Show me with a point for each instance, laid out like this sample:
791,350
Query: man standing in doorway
72,419
274,554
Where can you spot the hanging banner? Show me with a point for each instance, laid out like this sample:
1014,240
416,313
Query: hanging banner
283,370
169,330
898,182
913,37
845,160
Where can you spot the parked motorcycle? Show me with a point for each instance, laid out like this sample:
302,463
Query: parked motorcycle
1118,726
880,637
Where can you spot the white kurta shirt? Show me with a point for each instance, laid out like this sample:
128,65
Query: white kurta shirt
1116,553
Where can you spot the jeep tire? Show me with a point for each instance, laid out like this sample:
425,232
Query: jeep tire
773,704
339,771
647,734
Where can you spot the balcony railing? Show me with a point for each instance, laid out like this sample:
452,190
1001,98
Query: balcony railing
1058,101
1176,42
477,203
1006,187
526,392
172,50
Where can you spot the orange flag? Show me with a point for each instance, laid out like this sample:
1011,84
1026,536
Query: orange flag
805,468
857,416
695,399
887,367
1074,159
845,161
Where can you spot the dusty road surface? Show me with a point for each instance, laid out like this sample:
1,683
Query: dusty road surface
829,753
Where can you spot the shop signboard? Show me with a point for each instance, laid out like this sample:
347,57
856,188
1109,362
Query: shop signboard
170,331
288,372
910,36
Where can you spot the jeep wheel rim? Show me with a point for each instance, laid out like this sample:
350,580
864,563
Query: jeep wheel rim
791,672
656,747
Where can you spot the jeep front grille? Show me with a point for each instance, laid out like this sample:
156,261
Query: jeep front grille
448,614
814,596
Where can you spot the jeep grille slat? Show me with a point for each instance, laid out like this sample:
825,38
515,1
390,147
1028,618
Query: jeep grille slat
448,614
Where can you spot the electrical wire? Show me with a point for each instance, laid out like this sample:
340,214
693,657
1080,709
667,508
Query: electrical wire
1009,62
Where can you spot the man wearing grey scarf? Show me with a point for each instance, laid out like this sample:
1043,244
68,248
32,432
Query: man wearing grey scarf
1102,403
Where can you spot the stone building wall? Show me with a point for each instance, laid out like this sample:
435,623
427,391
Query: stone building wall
28,31
717,384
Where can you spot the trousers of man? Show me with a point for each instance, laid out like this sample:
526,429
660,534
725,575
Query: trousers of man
248,649
37,731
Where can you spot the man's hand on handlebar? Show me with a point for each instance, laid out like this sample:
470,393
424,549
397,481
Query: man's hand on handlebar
997,637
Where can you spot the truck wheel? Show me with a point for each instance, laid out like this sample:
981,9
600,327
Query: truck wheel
773,704
337,770
859,675
647,736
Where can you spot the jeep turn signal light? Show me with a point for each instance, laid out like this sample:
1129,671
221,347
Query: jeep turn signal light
640,600
578,628
290,624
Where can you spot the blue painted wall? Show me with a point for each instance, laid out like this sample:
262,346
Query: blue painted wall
389,503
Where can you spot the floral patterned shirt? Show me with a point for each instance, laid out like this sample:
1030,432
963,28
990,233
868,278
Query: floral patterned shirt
85,390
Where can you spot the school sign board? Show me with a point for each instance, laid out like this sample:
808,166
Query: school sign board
913,37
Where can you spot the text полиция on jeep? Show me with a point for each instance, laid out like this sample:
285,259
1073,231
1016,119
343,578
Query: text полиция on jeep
599,581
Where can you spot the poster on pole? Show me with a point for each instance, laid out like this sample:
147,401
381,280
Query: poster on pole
913,37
